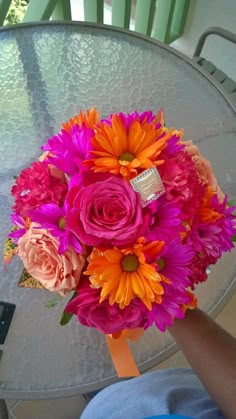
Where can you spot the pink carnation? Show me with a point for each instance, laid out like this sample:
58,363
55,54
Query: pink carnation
183,186
201,262
35,186
103,316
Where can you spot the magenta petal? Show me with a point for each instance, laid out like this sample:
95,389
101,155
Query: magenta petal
75,243
47,213
17,220
17,234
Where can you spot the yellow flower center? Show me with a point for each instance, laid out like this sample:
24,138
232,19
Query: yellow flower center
161,263
127,156
62,223
130,263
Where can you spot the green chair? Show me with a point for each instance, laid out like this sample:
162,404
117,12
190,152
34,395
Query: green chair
162,19
226,82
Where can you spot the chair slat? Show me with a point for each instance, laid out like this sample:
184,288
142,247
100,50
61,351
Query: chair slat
62,10
219,75
178,20
233,97
39,10
121,13
163,19
208,66
229,85
4,7
93,11
144,16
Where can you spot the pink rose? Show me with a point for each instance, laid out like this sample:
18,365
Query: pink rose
39,253
204,169
106,212
105,317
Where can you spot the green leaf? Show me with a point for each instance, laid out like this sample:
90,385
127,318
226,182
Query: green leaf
231,203
65,318
234,238
54,301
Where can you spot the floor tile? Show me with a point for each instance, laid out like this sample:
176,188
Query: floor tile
67,408
165,364
11,403
180,361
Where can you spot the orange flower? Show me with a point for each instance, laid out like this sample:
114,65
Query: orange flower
206,212
160,118
127,151
125,274
192,304
90,119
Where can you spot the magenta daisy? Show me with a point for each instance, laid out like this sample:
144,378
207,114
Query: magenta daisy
21,225
227,223
53,218
175,263
128,119
69,149
205,237
173,146
164,220
163,314
213,228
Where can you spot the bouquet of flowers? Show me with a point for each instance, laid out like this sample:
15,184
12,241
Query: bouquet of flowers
125,215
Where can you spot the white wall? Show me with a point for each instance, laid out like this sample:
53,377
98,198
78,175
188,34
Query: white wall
206,13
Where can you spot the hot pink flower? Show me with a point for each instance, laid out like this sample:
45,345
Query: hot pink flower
129,118
205,237
201,262
107,212
182,183
69,149
164,220
20,223
175,263
35,186
163,314
53,218
212,237
103,316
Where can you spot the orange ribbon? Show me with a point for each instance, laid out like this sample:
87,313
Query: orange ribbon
121,354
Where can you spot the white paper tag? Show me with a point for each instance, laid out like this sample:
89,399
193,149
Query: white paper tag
148,185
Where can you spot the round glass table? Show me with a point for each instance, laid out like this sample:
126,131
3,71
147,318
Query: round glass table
48,72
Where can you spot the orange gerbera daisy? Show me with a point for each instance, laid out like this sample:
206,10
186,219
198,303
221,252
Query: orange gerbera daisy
207,213
125,274
90,119
127,151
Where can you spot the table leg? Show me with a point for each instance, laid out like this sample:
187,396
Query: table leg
3,410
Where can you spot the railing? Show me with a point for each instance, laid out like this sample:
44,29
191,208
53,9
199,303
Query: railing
160,19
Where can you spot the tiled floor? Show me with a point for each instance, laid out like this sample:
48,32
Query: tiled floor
72,407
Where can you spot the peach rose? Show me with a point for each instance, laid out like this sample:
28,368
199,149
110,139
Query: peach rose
39,253
204,169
